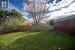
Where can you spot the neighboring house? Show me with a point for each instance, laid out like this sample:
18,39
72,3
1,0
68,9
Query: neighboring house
4,3
65,24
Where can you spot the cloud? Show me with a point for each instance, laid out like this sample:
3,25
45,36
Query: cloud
64,7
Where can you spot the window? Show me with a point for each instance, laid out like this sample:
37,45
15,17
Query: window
4,4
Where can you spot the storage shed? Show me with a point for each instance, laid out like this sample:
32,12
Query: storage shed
65,24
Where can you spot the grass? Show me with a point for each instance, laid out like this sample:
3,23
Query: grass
36,41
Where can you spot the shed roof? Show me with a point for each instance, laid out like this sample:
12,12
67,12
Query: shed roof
65,18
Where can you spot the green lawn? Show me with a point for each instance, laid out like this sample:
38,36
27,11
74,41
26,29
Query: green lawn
36,41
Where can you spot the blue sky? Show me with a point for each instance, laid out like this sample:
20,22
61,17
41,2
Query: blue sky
64,7
17,3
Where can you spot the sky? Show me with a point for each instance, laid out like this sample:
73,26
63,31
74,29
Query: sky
65,7
58,7
17,3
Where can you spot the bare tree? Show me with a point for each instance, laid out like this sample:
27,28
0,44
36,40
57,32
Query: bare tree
37,8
